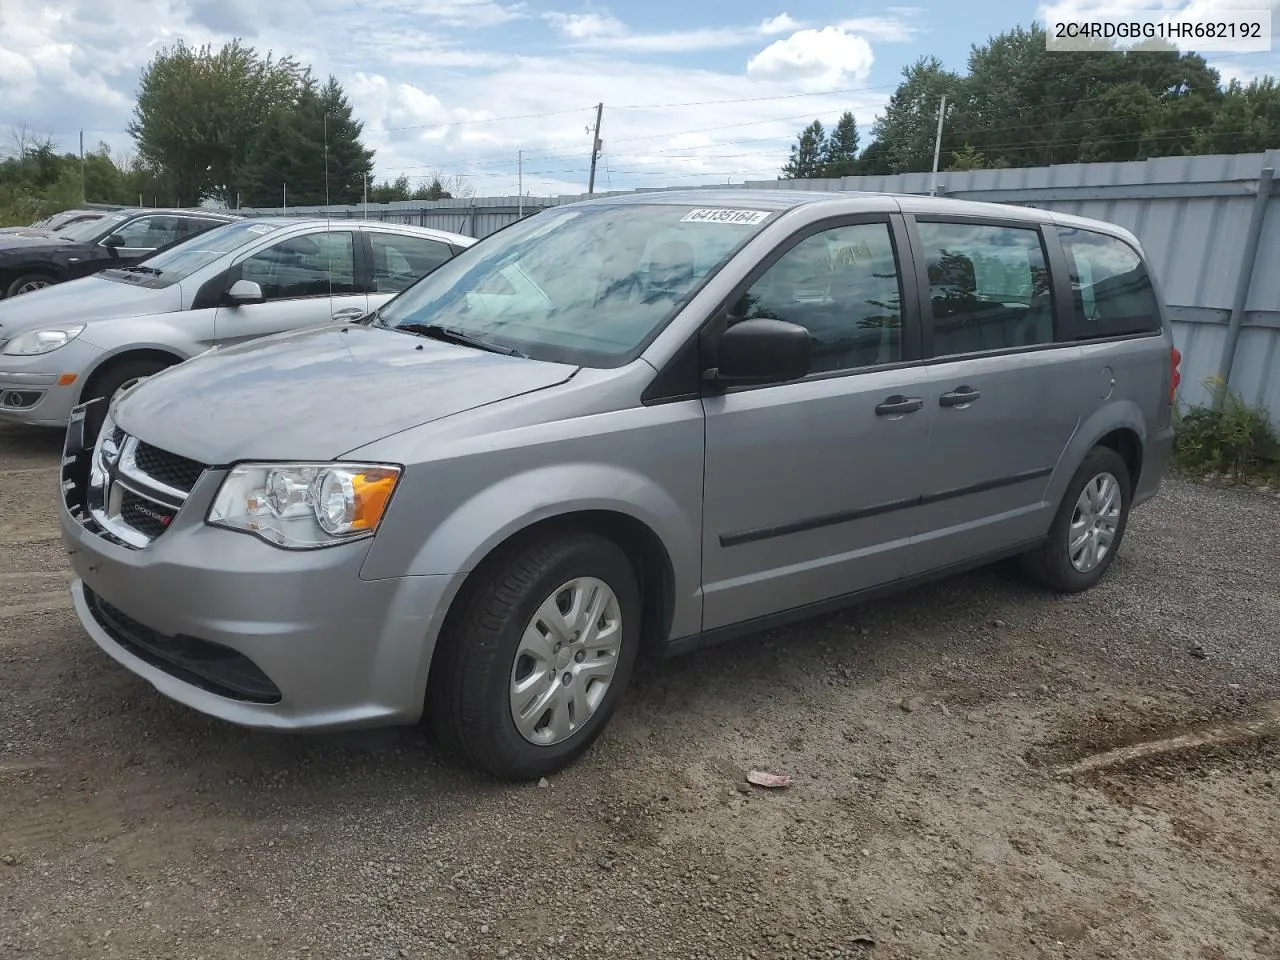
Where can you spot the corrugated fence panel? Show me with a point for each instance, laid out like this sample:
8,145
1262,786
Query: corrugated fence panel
1192,215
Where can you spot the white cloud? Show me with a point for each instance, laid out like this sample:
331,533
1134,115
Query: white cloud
587,26
436,91
603,31
819,59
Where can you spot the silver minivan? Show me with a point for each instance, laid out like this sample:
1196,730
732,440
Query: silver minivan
649,422
99,335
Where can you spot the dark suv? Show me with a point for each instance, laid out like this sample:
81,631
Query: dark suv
31,258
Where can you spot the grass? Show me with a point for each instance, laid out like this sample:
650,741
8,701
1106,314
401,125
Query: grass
1228,437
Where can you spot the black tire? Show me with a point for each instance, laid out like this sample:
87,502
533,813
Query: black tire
15,289
111,378
1050,565
468,699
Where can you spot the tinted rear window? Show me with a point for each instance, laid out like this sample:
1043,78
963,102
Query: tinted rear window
1109,282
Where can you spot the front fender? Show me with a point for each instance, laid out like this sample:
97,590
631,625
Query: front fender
469,532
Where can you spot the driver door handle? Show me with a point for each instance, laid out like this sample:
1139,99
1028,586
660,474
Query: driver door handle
349,313
959,397
897,405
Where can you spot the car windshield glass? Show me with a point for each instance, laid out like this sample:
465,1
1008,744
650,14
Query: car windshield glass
87,230
590,285
180,261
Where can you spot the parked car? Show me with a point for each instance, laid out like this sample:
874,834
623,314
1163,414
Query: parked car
33,259
252,277
57,221
655,421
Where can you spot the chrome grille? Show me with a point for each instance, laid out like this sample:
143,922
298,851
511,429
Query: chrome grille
136,490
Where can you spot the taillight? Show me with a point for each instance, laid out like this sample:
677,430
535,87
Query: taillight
1175,378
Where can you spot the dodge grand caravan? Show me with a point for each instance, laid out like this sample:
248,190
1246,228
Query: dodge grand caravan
651,422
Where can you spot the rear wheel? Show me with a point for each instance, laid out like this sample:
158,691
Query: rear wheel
1088,528
542,647
113,381
28,283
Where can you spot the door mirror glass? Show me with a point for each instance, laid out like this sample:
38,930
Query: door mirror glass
763,351
244,292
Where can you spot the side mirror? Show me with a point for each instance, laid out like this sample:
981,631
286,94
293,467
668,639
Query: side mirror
762,351
244,292
113,242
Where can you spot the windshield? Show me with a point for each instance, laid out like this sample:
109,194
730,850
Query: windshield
181,260
87,230
589,285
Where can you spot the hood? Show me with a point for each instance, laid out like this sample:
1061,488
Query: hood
314,394
28,238
89,298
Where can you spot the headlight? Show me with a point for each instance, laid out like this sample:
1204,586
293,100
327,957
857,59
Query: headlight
305,505
35,342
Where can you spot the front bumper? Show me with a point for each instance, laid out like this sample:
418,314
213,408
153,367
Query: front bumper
246,632
29,388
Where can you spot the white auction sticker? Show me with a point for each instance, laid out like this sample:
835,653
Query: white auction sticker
747,218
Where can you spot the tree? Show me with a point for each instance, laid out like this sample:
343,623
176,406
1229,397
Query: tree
197,112
350,164
1021,104
806,154
840,152
874,161
908,127
971,159
389,191
1246,121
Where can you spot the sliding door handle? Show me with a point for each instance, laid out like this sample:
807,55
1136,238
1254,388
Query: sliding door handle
959,397
897,405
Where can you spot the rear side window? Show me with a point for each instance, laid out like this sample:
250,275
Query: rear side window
1112,290
988,287
400,261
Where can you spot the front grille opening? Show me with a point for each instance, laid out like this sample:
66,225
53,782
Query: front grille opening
209,666
170,469
145,515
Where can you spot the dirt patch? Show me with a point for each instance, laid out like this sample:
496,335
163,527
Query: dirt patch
922,733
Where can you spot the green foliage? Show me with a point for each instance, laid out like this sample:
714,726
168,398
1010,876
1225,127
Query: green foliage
1020,104
840,152
36,180
435,186
1229,436
971,159
806,153
235,125
907,129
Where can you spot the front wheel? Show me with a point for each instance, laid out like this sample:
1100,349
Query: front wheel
113,381
1088,527
542,647
29,283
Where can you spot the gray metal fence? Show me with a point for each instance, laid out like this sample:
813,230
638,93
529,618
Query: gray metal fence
1211,226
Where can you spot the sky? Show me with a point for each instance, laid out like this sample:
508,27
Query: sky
711,92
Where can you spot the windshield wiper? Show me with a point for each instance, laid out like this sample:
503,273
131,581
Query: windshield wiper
138,268
449,335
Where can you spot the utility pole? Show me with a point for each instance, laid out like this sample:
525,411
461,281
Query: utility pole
937,147
595,148
520,167
284,199
326,162
84,197
366,194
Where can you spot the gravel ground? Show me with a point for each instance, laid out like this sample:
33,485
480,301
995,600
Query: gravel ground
929,817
